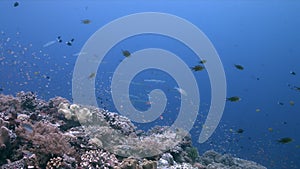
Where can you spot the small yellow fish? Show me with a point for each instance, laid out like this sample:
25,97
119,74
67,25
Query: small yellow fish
292,103
270,129
257,110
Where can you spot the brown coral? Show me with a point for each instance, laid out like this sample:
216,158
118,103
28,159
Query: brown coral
132,163
45,141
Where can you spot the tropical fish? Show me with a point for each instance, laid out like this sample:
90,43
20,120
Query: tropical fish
296,88
80,53
240,131
46,77
202,61
86,21
292,73
148,103
154,80
70,42
280,103
240,67
49,43
233,99
134,96
292,103
285,140
181,91
270,129
27,127
59,39
16,4
126,53
197,68
92,75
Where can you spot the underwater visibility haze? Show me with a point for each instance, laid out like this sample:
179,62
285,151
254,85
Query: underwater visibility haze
50,100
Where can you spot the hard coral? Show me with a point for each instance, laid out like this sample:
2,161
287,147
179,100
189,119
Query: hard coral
119,122
97,159
64,162
28,100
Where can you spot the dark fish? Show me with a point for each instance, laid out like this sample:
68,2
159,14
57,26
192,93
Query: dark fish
16,4
240,131
233,99
240,67
280,103
59,39
197,68
70,42
285,140
92,75
46,77
202,61
86,21
296,88
292,73
1,89
126,53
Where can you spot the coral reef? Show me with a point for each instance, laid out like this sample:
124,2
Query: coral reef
7,138
214,160
133,163
98,159
44,140
57,134
64,162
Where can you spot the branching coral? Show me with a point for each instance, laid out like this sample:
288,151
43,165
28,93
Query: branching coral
65,162
98,159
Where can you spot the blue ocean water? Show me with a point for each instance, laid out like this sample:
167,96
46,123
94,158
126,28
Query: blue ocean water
261,36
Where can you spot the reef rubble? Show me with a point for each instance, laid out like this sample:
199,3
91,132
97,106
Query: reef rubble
57,134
